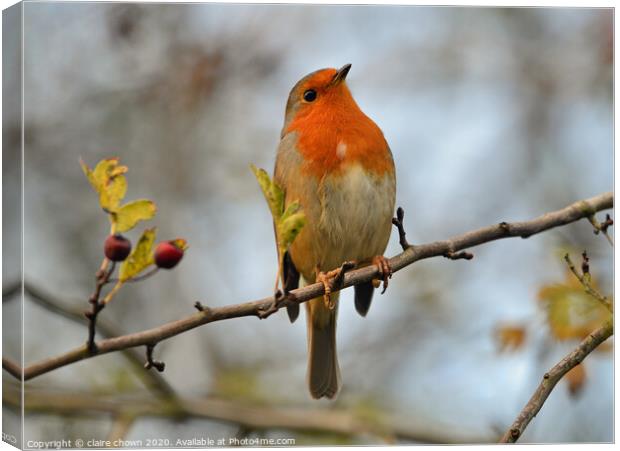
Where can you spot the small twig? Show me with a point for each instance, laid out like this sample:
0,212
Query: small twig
201,308
598,227
103,276
463,255
398,222
584,279
150,363
551,378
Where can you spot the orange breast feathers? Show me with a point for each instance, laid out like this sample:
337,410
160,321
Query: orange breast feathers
333,133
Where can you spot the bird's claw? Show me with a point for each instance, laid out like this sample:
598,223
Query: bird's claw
331,279
383,265
326,279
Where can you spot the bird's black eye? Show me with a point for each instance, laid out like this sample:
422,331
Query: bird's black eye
310,95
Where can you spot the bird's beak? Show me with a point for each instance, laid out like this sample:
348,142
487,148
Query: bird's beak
341,74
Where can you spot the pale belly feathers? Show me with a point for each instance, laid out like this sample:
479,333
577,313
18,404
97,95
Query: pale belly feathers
349,213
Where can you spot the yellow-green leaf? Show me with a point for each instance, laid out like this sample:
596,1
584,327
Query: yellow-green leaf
131,213
89,175
271,191
288,228
287,223
112,193
141,256
108,180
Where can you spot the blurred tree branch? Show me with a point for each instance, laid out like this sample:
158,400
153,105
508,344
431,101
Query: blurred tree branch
348,422
152,379
574,212
551,378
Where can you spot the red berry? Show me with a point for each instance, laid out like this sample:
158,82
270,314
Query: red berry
117,247
167,255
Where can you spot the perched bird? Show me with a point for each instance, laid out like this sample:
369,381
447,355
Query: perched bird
335,161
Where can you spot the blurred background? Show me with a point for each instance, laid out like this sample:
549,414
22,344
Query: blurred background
492,115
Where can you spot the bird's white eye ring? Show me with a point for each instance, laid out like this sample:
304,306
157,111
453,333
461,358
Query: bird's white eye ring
310,95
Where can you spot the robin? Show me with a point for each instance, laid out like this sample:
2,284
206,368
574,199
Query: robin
335,161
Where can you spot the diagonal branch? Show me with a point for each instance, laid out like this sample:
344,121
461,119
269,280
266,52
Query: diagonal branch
571,213
550,379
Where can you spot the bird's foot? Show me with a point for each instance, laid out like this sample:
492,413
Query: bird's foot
331,279
326,278
383,265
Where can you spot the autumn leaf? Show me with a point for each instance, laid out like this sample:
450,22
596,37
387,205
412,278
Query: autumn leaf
141,256
131,213
571,312
510,337
575,379
108,180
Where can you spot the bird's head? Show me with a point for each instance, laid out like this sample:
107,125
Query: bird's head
319,94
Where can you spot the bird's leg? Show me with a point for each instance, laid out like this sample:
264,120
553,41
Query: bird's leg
331,279
326,280
383,265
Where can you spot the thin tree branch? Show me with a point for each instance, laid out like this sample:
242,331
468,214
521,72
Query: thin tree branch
251,416
102,277
571,213
152,379
585,281
598,227
551,378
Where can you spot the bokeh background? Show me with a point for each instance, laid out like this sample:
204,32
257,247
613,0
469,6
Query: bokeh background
492,114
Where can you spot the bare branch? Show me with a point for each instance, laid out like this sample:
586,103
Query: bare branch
551,378
584,279
571,213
